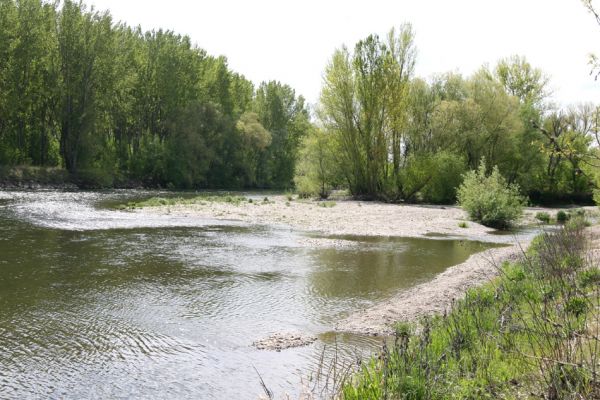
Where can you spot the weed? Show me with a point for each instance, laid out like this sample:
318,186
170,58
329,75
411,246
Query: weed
327,204
543,217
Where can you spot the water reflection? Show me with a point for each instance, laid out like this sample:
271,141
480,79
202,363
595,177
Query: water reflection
380,266
100,303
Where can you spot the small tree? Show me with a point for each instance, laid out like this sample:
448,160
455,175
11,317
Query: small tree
316,171
490,200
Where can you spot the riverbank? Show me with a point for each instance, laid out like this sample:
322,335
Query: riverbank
346,217
35,178
530,333
350,217
55,178
431,298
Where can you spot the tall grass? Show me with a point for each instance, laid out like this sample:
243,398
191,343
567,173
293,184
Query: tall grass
531,333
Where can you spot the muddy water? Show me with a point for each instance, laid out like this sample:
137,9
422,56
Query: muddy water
97,303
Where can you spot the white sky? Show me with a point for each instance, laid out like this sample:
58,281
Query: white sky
291,41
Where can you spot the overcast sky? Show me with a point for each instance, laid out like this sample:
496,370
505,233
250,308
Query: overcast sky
291,41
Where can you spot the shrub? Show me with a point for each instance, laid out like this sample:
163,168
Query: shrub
562,217
543,217
489,199
432,178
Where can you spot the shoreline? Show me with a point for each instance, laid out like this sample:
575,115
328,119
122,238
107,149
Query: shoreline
339,218
430,298
351,217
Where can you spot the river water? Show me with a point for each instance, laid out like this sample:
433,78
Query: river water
100,303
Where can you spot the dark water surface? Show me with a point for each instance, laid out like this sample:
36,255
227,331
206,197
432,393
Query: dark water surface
97,303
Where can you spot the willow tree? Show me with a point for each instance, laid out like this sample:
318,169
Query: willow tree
364,104
255,139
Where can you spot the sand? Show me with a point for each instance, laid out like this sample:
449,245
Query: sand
336,218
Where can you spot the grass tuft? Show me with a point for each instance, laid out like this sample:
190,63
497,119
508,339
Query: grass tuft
327,204
543,217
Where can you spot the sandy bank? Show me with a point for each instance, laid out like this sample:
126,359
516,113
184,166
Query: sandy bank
339,218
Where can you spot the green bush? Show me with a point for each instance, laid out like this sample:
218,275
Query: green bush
490,200
445,178
543,217
562,217
432,178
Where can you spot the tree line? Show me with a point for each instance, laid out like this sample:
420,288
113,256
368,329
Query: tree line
113,104
386,134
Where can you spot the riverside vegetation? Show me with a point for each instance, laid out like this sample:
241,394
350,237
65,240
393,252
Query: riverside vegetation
116,106
112,105
89,100
531,333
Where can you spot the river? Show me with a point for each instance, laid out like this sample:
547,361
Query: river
101,303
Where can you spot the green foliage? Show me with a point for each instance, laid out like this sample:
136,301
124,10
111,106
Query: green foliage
174,201
543,217
391,129
528,84
489,199
286,117
463,224
562,217
363,104
111,103
316,170
525,332
597,197
432,178
589,277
